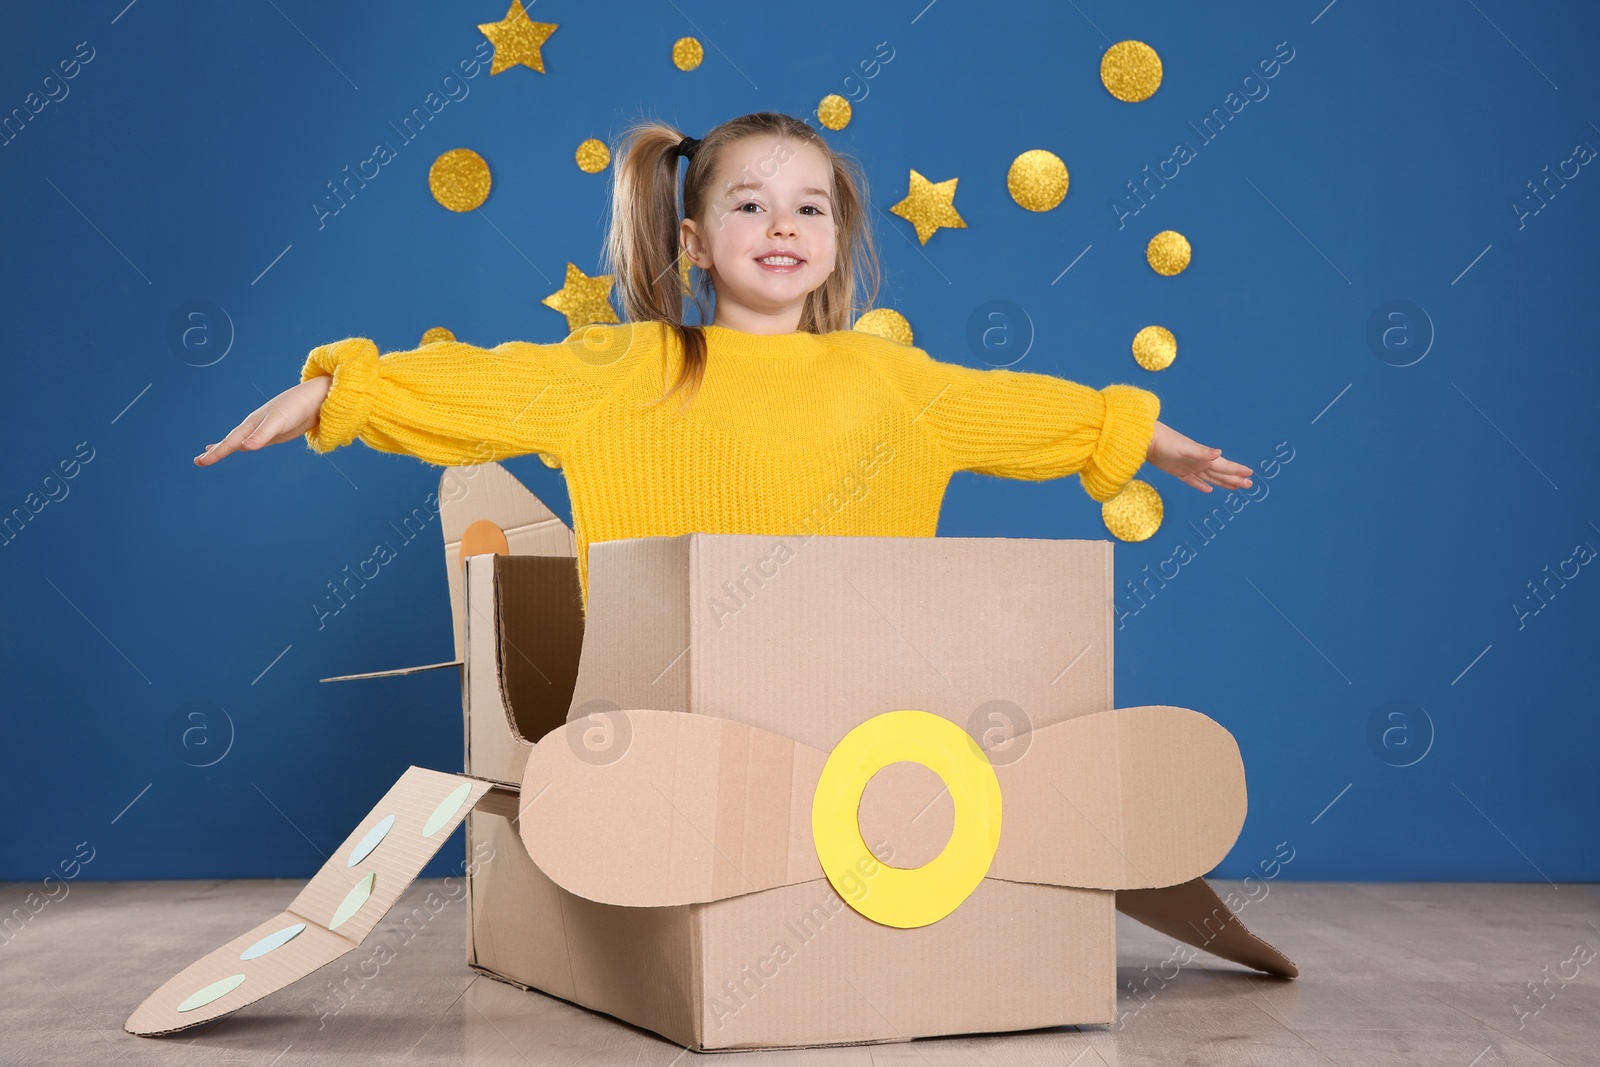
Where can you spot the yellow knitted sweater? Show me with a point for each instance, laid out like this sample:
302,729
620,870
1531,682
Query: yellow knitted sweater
841,434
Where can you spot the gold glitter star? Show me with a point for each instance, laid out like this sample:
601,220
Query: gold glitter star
516,39
930,205
583,299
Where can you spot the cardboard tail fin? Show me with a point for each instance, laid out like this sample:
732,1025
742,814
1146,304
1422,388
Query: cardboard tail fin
335,911
1193,913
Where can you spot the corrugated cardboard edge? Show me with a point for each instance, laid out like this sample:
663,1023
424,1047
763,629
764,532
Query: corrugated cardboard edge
490,757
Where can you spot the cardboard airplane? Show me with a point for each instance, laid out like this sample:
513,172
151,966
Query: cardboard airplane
781,791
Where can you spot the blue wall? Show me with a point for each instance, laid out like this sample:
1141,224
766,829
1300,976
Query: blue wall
1380,562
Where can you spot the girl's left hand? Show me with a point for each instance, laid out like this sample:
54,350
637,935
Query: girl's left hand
1192,462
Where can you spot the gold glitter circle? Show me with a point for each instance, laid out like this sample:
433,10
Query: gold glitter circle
687,53
1037,179
550,461
459,179
834,111
1155,348
436,333
1133,514
1131,71
885,322
1168,252
593,156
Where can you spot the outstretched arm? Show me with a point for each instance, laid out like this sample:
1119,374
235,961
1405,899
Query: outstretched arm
1189,461
1015,424
445,402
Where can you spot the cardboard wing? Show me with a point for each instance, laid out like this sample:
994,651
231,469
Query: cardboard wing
484,508
335,911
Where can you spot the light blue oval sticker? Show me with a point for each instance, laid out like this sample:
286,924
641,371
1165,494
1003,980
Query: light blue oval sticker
273,940
365,846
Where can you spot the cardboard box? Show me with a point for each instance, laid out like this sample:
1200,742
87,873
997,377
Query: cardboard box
728,832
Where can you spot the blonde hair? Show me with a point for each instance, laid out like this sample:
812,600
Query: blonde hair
642,246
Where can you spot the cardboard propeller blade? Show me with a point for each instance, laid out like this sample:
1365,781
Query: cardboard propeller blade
331,916
682,808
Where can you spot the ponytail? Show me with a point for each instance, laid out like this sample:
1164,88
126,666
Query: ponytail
653,274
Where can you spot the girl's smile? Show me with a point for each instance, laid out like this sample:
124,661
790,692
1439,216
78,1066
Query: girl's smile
780,262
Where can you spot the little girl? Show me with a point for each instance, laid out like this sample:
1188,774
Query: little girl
790,422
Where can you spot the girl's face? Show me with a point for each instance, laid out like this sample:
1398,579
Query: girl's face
766,234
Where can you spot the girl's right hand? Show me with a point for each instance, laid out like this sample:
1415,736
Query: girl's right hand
288,415
1194,463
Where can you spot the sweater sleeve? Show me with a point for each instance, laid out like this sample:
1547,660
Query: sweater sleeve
453,403
1017,424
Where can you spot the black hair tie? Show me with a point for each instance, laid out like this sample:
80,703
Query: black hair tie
687,146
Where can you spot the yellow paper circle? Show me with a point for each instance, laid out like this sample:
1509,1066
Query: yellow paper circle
1155,348
1131,71
1168,252
687,53
897,896
436,333
459,179
834,111
1037,179
593,156
885,322
1133,514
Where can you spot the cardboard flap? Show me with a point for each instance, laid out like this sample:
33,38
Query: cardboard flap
487,491
391,673
331,916
678,808
1194,914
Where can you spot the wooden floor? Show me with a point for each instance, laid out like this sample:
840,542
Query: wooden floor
1413,974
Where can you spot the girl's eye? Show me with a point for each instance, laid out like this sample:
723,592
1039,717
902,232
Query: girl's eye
751,203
